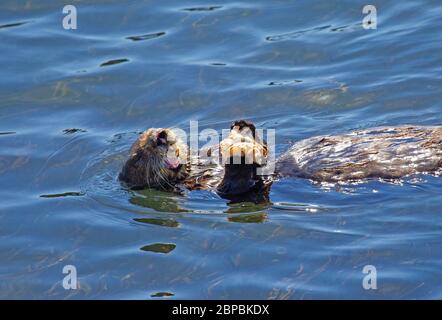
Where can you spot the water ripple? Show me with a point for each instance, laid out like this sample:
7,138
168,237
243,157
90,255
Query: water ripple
148,36
202,9
113,62
13,25
315,30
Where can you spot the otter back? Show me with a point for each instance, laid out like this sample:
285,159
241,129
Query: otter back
385,152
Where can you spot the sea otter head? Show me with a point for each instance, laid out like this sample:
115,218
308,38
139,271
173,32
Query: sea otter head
243,152
158,159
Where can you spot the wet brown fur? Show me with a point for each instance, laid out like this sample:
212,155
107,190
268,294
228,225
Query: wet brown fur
386,153
146,167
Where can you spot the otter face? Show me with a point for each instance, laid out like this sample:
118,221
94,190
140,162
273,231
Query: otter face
242,153
158,159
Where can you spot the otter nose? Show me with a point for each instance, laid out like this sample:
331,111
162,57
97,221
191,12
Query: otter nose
162,138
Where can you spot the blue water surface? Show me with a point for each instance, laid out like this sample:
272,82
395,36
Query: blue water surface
73,101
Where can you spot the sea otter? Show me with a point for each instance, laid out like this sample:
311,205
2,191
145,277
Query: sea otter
378,153
385,153
160,159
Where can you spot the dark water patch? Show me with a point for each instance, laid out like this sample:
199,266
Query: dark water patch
162,294
7,133
159,222
64,194
12,25
284,82
202,9
146,36
159,247
73,130
249,218
112,62
218,64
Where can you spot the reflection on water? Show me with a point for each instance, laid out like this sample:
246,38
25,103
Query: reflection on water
73,130
242,207
162,294
146,36
73,101
159,222
12,25
209,8
158,200
248,218
159,247
112,62
64,194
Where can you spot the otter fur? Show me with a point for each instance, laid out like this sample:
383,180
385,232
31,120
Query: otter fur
157,159
377,153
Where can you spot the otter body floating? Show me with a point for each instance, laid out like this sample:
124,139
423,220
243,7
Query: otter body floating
159,159
385,152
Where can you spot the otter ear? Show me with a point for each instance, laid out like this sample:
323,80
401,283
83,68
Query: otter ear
147,137
142,140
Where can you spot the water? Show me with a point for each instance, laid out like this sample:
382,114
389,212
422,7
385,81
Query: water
73,101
